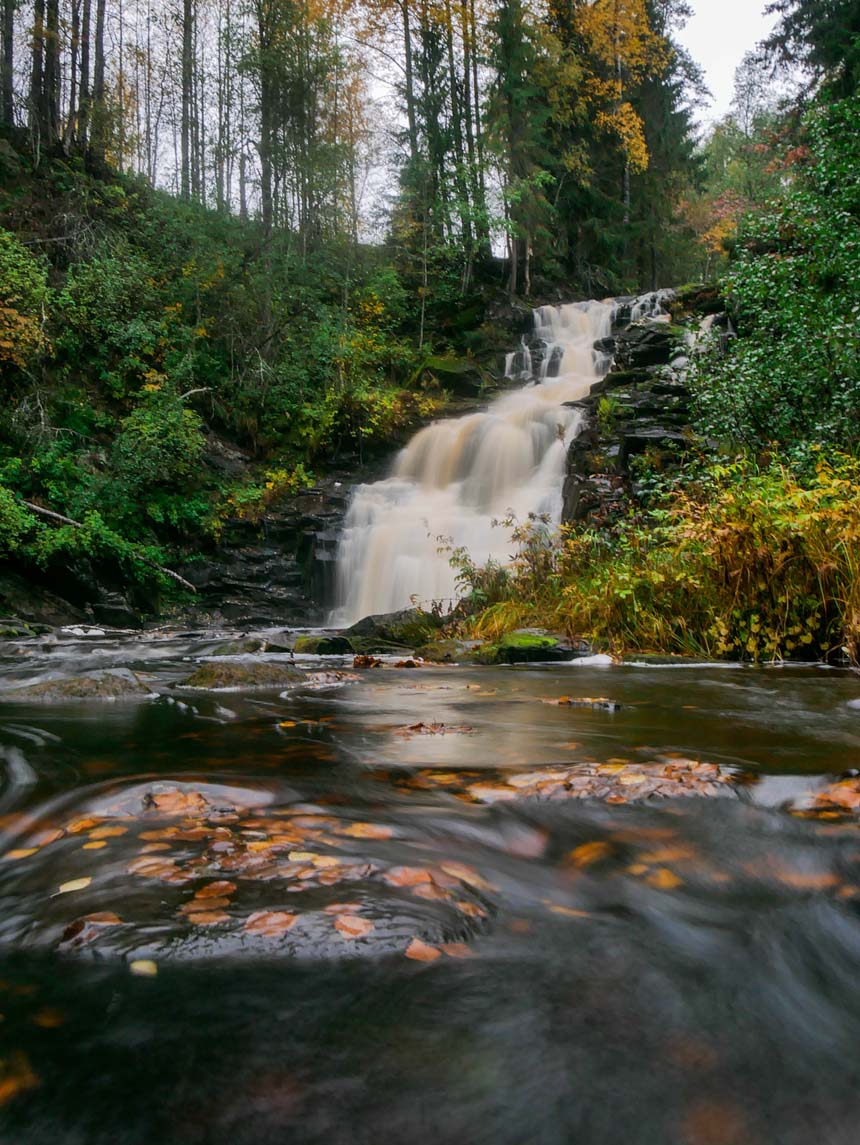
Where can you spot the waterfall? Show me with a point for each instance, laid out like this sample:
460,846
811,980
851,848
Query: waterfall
457,477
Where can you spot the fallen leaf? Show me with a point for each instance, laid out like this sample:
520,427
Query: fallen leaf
588,853
457,950
143,968
74,885
422,951
208,917
270,923
16,1077
407,876
664,880
97,846
108,832
21,853
352,927
216,890
49,1018
366,831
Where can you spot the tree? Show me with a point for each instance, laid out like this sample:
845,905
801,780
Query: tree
823,37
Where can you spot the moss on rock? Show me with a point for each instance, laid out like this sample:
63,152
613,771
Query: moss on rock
261,674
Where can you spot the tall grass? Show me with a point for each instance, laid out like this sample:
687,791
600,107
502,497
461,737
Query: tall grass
748,562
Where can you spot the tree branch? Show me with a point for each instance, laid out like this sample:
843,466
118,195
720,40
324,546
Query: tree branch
61,520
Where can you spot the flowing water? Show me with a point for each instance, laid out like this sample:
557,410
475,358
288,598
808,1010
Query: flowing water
458,478
321,914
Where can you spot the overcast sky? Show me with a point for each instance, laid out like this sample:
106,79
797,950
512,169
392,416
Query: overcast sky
717,37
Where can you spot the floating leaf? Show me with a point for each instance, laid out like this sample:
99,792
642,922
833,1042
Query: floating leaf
270,923
407,876
589,853
144,968
366,831
421,951
351,926
457,950
74,885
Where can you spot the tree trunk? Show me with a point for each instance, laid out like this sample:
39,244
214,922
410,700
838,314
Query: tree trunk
99,109
71,119
187,82
7,65
38,117
83,126
52,73
410,83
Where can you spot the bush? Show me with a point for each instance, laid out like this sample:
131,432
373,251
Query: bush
749,563
793,375
160,445
23,301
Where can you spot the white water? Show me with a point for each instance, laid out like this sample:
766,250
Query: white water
457,477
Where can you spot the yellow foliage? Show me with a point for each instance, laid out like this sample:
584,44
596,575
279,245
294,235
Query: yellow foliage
21,337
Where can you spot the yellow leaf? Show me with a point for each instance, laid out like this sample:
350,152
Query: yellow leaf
74,885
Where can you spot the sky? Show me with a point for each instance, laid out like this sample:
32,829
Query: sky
718,35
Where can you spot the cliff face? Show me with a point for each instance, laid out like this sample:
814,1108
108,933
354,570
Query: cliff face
642,407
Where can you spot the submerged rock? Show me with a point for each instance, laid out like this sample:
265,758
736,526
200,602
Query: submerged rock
262,674
108,685
608,782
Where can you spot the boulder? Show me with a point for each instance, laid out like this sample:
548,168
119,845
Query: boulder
449,651
394,631
528,646
323,646
118,684
252,674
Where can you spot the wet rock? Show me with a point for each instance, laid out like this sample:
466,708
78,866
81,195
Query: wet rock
647,344
114,610
108,685
394,632
449,651
242,647
259,674
323,646
528,646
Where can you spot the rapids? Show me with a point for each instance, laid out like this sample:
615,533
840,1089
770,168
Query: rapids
458,478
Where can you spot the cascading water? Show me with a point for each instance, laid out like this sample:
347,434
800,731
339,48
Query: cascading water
457,477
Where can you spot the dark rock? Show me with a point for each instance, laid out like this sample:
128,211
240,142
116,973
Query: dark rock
323,646
108,685
244,647
260,674
449,651
395,631
647,344
528,646
115,611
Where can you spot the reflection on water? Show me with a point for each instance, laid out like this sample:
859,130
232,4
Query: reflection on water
254,917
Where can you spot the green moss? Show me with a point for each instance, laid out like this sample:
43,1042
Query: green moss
323,646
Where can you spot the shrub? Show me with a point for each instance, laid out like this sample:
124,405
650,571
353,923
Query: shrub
23,302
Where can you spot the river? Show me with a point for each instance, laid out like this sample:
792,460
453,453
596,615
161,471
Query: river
368,906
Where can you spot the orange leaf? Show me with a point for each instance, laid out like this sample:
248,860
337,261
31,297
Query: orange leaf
352,927
422,951
270,923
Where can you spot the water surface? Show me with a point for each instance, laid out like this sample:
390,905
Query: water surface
591,972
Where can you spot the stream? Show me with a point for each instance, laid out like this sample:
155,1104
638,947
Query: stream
432,904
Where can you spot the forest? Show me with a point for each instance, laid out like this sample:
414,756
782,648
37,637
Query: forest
290,229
